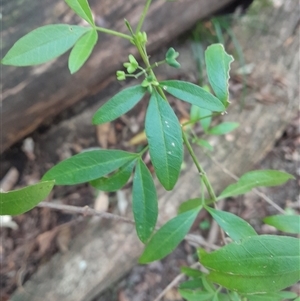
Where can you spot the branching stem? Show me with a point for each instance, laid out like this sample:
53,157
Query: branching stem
199,167
114,33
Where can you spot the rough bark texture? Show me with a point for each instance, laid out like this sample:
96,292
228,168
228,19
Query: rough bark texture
99,256
41,92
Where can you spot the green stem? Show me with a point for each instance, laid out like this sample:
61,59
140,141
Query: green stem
156,64
199,168
143,150
114,33
143,16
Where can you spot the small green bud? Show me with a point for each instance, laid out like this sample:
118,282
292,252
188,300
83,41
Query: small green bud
132,65
173,63
121,75
171,56
141,37
149,80
145,83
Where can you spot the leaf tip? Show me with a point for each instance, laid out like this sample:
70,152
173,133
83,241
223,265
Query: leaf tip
142,260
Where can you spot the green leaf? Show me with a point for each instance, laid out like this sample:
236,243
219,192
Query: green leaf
223,128
233,296
82,9
144,201
194,113
203,115
285,223
255,178
205,122
191,272
115,181
82,50
204,143
164,136
192,284
43,44
218,66
256,264
119,104
87,166
168,237
272,296
192,94
197,295
189,205
234,226
19,201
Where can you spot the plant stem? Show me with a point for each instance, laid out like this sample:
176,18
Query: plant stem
114,33
143,16
199,168
143,150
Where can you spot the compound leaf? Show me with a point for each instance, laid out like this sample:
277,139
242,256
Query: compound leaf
87,166
167,238
257,264
119,104
82,50
192,94
115,181
164,136
43,44
19,201
82,9
234,226
144,201
255,178
285,223
218,66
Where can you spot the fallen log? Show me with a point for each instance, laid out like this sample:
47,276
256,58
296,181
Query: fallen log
37,93
99,256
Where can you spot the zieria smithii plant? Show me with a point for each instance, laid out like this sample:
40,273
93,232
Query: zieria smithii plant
251,267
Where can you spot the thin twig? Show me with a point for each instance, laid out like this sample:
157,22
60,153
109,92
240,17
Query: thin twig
85,211
88,211
173,283
256,191
197,240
